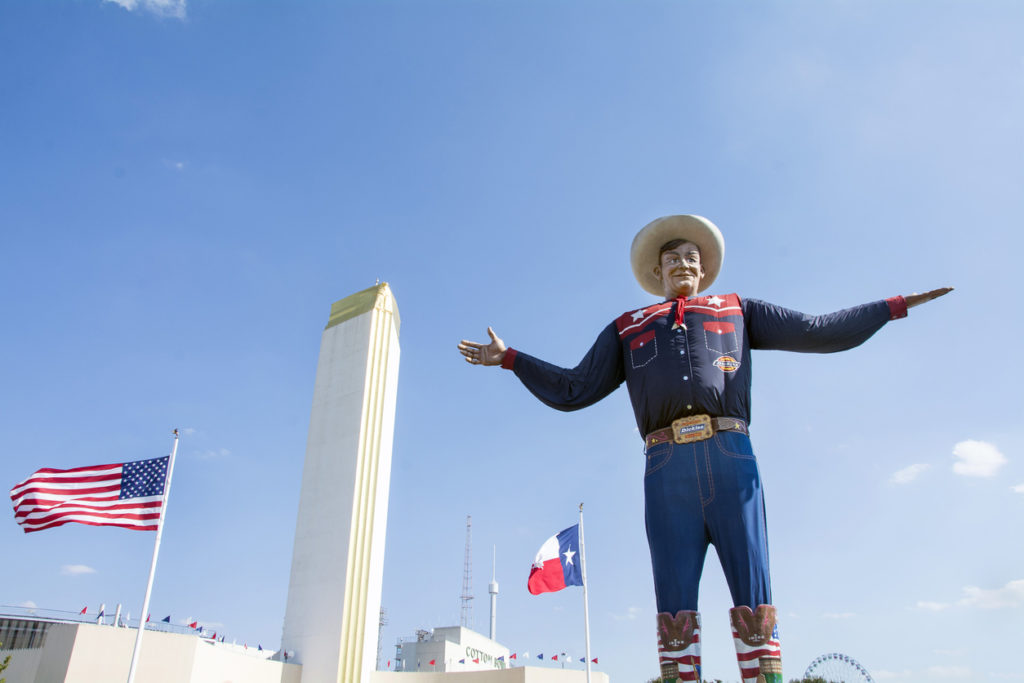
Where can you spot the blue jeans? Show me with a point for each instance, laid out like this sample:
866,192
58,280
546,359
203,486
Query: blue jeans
699,493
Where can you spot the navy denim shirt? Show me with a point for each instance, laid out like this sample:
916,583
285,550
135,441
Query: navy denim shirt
688,356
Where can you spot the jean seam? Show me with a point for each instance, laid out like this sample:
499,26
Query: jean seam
727,452
711,479
657,467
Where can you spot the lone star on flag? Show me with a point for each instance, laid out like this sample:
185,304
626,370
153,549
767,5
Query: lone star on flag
568,556
716,301
637,315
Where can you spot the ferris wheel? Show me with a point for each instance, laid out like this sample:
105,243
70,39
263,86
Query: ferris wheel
838,668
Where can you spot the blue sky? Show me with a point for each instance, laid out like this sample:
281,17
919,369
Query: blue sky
185,189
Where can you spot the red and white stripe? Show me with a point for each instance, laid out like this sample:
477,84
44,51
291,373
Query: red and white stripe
86,495
748,656
687,659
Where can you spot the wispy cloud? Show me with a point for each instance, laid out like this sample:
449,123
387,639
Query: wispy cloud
213,453
838,615
28,604
908,474
631,614
932,606
977,459
76,570
1019,488
962,673
163,8
1010,595
885,675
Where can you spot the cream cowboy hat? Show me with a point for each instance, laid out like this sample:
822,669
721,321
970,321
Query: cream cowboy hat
643,255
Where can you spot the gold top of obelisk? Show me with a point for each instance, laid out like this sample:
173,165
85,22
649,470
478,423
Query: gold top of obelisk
379,296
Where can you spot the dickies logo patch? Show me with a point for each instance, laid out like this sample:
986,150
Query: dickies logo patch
727,364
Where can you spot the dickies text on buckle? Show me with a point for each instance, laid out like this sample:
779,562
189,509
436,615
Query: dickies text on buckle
692,428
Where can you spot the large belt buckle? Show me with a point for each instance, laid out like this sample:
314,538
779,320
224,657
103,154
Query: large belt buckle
692,428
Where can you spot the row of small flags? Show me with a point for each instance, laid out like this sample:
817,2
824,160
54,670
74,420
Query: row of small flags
515,655
193,625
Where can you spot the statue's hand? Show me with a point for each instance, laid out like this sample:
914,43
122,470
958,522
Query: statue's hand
918,299
484,354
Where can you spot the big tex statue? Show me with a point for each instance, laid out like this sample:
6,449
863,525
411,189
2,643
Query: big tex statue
686,364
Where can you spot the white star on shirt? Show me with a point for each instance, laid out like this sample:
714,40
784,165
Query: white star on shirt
637,315
568,556
716,301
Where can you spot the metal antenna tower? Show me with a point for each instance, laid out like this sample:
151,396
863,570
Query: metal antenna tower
380,636
466,613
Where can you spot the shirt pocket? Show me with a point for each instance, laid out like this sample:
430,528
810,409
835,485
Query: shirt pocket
721,337
643,348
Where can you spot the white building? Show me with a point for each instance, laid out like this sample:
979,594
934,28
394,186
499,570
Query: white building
451,648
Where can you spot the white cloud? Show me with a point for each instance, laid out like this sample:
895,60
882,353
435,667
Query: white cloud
631,614
908,474
977,459
932,606
188,431
28,604
1019,488
76,569
961,672
163,8
1010,595
215,453
838,615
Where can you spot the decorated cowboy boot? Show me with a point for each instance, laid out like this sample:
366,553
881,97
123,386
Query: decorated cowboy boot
679,646
756,637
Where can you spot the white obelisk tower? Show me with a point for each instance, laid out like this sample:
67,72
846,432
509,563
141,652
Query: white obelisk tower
331,617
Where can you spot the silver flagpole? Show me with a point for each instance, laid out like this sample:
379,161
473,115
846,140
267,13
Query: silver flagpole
586,609
152,566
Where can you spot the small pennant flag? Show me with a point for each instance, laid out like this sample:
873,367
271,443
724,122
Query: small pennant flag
557,563
462,661
554,657
83,610
501,658
432,662
166,619
148,617
540,656
512,656
194,624
476,661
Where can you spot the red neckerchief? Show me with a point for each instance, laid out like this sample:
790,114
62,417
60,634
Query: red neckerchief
680,309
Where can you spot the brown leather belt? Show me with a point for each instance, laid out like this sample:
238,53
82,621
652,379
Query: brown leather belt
695,428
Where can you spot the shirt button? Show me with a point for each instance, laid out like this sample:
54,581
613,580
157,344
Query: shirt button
686,378
688,406
682,352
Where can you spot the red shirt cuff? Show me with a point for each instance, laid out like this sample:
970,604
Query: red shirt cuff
510,358
897,307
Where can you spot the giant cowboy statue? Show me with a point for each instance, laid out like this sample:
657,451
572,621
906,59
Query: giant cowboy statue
686,363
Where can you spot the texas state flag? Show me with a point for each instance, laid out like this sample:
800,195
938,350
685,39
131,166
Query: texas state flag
557,564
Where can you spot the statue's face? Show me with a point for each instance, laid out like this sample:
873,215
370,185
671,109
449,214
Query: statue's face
680,271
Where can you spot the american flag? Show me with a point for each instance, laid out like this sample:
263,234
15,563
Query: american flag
128,495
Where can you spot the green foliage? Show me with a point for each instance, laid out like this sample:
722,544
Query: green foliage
3,664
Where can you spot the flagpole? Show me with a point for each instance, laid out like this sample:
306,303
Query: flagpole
586,609
152,566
